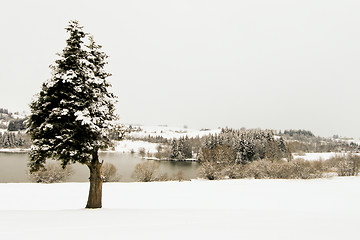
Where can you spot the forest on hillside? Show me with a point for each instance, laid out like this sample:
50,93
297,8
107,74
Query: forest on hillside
13,126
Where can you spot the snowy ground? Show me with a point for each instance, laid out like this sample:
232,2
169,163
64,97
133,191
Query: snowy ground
232,209
14,150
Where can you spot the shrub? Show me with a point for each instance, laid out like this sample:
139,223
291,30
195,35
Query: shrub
215,161
163,152
179,176
108,173
51,173
306,169
260,169
149,155
142,152
233,171
210,170
345,165
146,172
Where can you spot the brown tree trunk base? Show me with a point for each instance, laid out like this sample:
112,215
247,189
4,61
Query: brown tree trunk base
95,191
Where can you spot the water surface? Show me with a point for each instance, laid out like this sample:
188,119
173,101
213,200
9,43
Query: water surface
13,167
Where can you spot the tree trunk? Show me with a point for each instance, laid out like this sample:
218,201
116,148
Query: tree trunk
95,192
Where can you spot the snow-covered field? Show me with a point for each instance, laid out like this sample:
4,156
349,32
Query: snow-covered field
229,209
127,146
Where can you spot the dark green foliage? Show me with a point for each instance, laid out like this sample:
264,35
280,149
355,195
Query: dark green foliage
17,124
249,145
152,139
186,147
73,112
3,110
225,154
181,149
176,150
299,133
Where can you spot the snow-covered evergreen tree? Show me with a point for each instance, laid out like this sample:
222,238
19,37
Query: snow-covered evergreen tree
187,148
180,149
74,112
174,149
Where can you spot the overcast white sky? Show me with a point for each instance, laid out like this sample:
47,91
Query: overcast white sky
279,64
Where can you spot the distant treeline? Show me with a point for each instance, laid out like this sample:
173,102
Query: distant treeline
3,110
306,141
299,132
14,140
17,124
245,145
9,122
251,144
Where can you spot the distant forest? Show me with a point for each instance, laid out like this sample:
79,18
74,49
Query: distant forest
249,144
13,137
9,122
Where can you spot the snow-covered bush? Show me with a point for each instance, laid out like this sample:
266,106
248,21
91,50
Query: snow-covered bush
345,165
210,170
146,172
260,169
150,171
179,176
163,152
297,169
109,173
215,161
51,173
142,152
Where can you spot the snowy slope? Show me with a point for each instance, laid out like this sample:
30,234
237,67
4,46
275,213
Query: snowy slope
127,146
234,209
171,132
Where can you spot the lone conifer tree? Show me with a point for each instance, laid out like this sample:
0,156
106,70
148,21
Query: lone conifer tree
74,112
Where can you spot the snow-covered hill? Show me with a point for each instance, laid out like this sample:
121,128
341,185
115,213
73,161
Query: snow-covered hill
128,146
169,132
6,117
138,132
